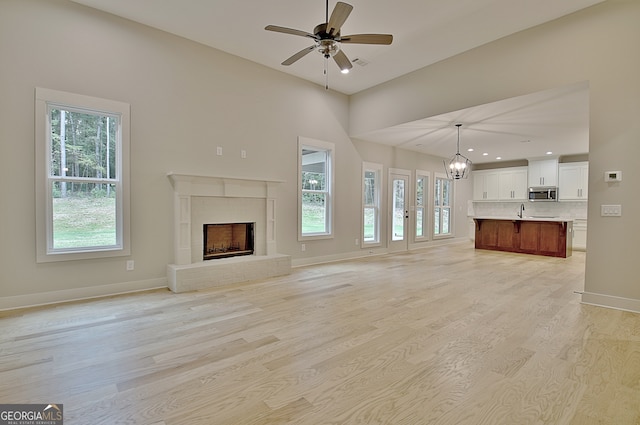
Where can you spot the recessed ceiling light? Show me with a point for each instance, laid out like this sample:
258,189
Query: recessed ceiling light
498,157
345,71
485,154
470,150
549,153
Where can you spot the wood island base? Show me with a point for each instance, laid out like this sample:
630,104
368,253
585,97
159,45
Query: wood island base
552,238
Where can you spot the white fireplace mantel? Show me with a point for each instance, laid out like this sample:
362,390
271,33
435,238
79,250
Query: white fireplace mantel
235,187
186,188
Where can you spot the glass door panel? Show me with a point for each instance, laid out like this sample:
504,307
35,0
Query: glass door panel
399,212
399,191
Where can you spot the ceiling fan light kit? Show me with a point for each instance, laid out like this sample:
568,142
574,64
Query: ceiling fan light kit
328,39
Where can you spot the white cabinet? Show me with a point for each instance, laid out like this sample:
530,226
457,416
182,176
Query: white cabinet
580,235
472,229
485,185
513,184
573,181
500,184
543,172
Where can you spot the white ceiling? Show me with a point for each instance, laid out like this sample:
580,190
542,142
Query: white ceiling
424,31
555,120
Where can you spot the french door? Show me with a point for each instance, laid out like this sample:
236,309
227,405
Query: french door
398,211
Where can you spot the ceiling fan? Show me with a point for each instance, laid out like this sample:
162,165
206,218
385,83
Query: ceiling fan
328,39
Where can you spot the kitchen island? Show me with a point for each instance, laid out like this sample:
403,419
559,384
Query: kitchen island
548,236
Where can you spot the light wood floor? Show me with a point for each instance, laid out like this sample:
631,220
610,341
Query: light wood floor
445,335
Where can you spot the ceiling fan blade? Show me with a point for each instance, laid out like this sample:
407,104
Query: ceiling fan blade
338,16
367,39
302,53
290,31
342,60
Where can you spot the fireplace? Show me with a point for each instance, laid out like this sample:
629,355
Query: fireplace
223,240
200,200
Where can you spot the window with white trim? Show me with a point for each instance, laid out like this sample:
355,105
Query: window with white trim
315,187
443,198
422,202
371,184
82,176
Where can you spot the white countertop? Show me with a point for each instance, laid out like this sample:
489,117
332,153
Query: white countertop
525,218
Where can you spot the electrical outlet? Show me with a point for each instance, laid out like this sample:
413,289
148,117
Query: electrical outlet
219,151
243,154
130,265
357,241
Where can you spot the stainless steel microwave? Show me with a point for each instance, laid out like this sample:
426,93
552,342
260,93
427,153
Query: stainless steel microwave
539,194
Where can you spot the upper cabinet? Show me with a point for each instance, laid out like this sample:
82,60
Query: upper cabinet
513,184
574,181
485,185
503,184
543,172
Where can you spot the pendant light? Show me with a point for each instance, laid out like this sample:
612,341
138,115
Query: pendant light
460,166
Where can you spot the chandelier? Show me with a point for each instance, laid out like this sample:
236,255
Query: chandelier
460,166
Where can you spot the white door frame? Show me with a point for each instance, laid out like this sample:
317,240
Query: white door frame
402,244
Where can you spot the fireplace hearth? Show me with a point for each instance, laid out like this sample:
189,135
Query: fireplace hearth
224,240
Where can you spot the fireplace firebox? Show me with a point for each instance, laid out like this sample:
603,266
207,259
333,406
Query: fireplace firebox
223,240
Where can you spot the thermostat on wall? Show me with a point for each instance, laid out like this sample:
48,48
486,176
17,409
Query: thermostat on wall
613,176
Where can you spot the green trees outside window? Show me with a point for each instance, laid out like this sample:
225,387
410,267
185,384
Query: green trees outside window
83,171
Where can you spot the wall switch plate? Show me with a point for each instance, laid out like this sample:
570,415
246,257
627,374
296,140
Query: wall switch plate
611,210
219,151
243,154
130,265
303,247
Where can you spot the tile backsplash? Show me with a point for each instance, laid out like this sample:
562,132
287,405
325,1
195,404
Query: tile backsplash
564,209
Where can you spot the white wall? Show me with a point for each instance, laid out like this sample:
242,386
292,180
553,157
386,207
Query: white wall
186,99
598,45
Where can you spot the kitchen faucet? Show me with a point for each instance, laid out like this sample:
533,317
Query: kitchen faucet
521,210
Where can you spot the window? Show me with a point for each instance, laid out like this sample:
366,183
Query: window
315,211
422,196
442,206
371,183
82,175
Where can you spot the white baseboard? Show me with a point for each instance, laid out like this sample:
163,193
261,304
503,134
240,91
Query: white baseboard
609,301
54,297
